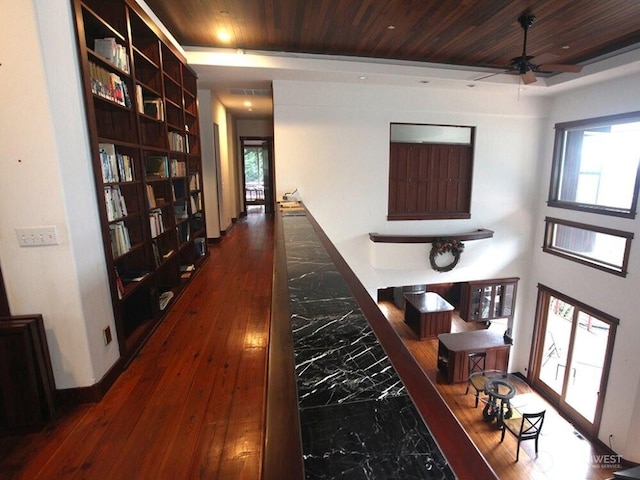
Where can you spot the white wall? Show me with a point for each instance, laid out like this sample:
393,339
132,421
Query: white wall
209,168
46,179
614,295
332,143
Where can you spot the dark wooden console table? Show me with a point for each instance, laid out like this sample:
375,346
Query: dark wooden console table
454,349
428,314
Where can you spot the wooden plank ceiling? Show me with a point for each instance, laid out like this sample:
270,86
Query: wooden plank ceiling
480,33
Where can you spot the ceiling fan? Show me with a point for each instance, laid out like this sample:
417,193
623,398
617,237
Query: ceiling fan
524,64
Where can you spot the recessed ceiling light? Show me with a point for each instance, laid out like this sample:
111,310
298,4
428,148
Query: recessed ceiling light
224,36
391,27
424,81
362,77
471,85
566,47
247,103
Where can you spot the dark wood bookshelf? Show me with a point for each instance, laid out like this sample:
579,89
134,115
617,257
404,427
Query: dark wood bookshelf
141,104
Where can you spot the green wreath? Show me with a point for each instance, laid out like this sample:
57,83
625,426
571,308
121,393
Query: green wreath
442,245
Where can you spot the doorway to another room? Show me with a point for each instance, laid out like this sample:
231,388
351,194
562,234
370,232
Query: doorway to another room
257,160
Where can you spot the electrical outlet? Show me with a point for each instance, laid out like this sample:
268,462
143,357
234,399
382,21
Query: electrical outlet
106,333
37,236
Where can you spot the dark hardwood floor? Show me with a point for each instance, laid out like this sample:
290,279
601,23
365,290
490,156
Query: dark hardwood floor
191,405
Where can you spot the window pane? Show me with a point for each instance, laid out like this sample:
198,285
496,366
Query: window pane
587,362
602,248
597,165
599,247
556,343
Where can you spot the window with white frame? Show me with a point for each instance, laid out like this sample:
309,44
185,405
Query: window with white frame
595,165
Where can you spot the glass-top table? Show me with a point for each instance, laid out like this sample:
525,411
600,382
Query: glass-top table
500,388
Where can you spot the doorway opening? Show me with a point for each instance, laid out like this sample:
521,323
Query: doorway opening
257,160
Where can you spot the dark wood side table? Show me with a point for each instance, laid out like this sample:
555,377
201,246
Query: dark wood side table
428,314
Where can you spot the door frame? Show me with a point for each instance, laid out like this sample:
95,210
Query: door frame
590,429
268,171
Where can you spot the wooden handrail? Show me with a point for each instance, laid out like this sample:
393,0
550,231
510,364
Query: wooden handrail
283,441
390,238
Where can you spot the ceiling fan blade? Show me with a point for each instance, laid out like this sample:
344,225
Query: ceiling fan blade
528,77
560,68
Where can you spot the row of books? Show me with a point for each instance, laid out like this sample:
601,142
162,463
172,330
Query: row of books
108,85
178,169
115,167
156,222
115,202
196,202
113,52
120,242
177,142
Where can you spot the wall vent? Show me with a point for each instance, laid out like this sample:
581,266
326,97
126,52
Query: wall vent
251,92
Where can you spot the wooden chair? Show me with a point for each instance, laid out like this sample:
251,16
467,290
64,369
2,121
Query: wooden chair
477,363
525,426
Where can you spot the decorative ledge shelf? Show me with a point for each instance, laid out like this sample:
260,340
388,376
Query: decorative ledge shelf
475,235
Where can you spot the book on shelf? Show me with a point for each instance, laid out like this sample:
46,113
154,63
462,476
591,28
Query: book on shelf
183,231
176,142
120,242
109,85
151,196
156,253
196,203
115,167
115,203
180,210
178,168
113,52
187,268
131,276
119,284
194,181
156,167
200,245
165,298
155,222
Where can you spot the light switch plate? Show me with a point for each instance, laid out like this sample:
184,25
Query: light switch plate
37,236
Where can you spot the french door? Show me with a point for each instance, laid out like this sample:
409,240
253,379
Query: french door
572,351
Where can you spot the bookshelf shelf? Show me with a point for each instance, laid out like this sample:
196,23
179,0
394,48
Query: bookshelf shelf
142,116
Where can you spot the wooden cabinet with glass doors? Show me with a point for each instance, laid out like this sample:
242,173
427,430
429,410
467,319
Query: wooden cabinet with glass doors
486,300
